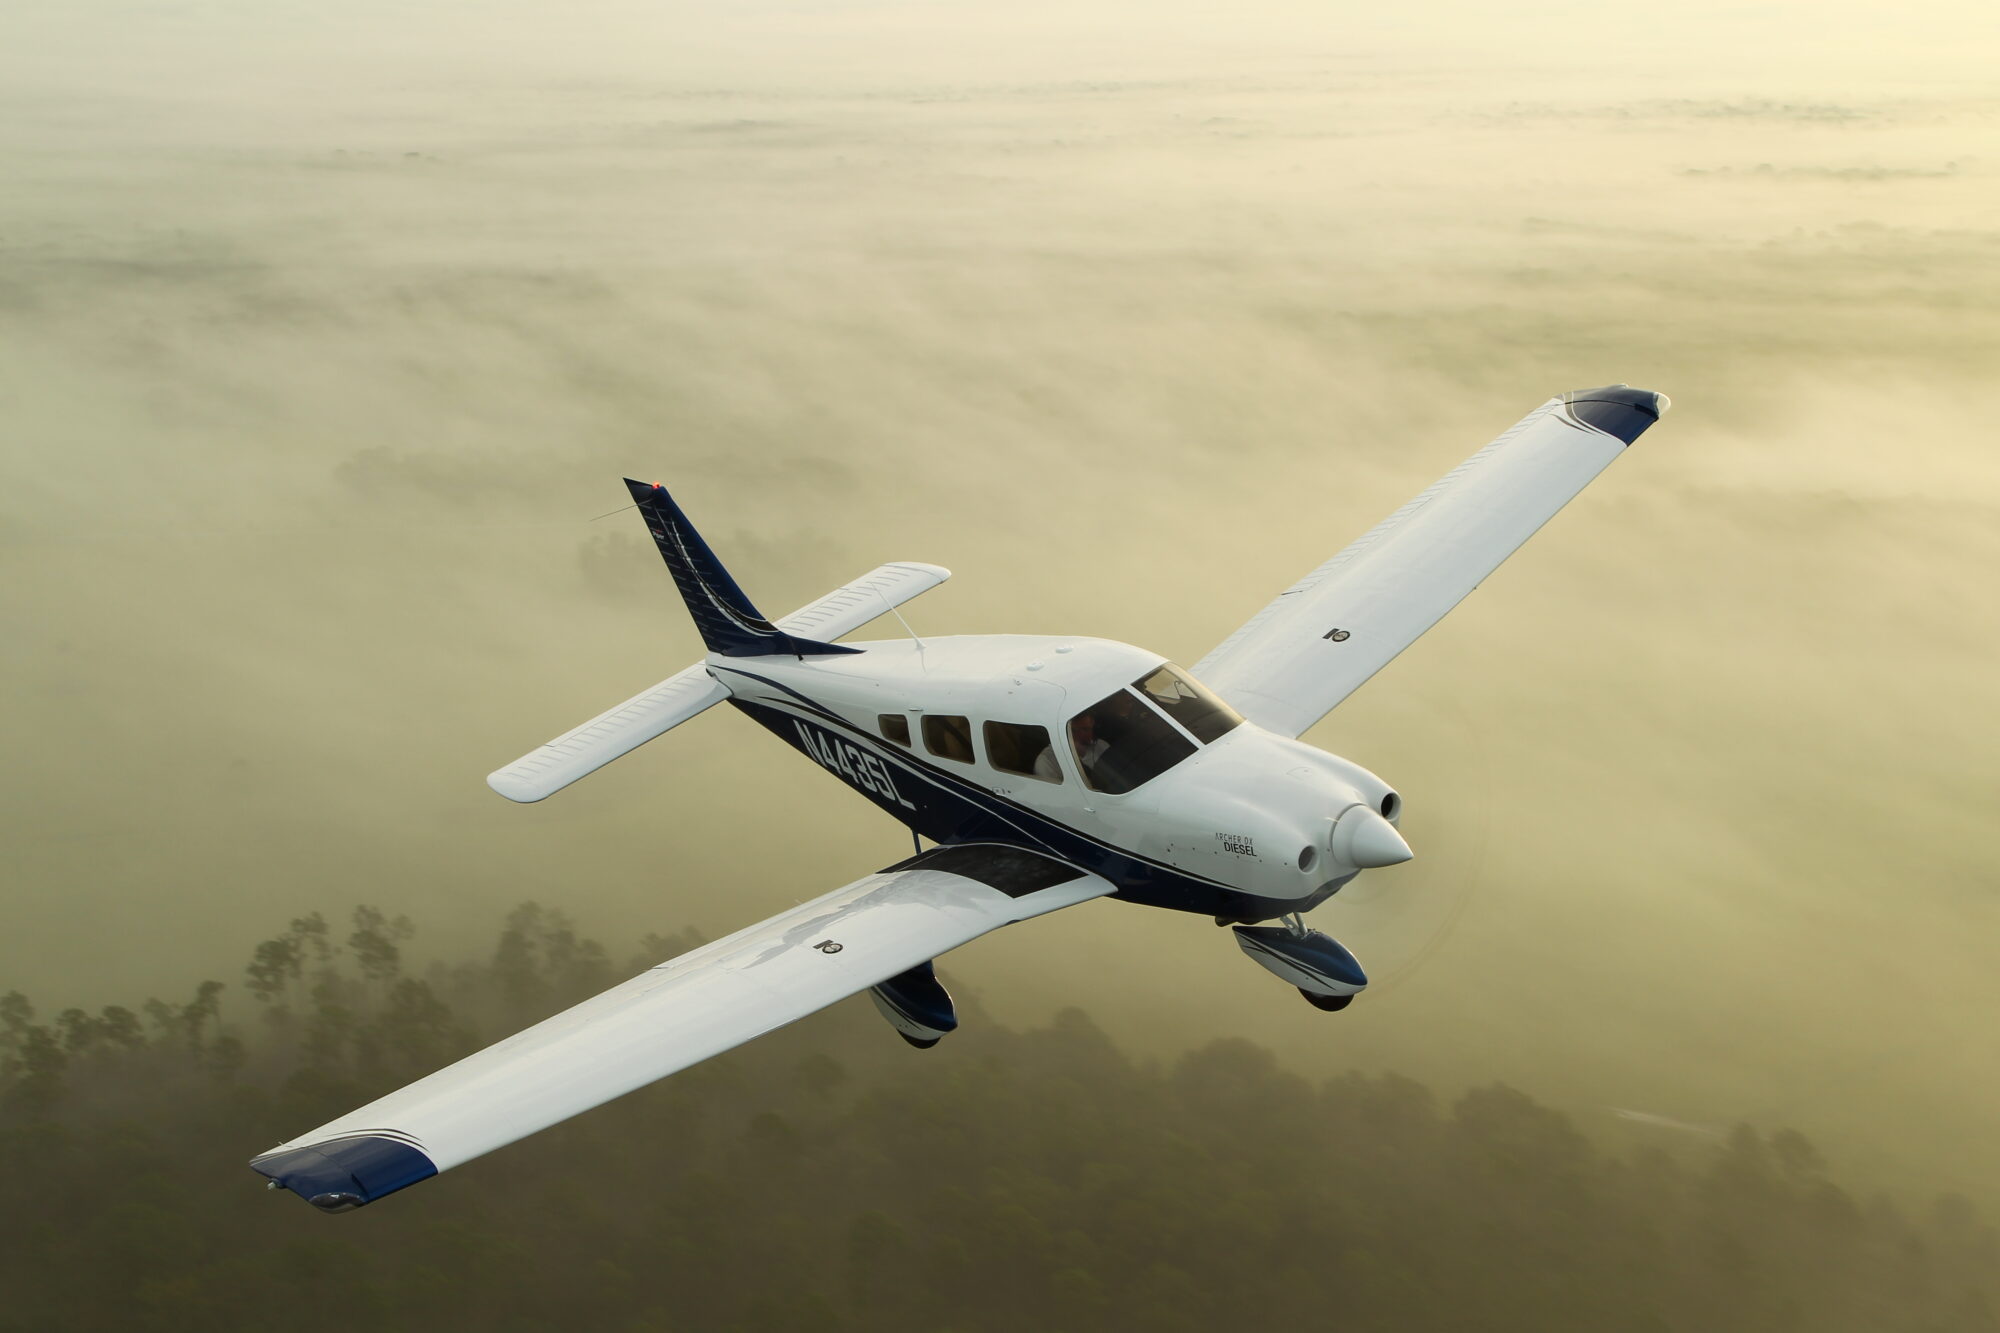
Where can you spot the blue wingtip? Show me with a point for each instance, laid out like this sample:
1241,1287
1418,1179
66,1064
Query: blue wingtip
1618,410
344,1174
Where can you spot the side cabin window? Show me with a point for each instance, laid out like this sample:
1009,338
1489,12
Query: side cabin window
1121,744
895,727
1190,703
1013,747
948,737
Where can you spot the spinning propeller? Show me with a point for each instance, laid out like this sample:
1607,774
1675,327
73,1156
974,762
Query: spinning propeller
1395,919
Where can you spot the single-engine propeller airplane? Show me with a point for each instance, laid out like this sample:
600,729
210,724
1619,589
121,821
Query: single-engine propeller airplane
1046,771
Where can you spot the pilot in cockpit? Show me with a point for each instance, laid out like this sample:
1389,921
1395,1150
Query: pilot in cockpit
1083,738
1046,766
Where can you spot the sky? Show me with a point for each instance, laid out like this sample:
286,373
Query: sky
328,335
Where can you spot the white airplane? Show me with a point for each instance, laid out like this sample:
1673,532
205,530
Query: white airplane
1047,771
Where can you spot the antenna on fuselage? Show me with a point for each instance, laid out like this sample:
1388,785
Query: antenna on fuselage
899,619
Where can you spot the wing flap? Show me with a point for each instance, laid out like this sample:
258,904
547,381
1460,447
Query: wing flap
670,1017
619,731
1323,637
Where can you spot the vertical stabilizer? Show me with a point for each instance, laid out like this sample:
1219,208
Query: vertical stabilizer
728,622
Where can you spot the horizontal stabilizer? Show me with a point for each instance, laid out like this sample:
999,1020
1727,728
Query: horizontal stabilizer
583,751
679,697
847,609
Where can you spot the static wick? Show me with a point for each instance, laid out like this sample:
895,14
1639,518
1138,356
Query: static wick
615,511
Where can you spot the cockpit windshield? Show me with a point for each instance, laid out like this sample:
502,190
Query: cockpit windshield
1190,703
1121,743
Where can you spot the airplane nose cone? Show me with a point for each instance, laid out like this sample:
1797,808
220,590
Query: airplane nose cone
1365,840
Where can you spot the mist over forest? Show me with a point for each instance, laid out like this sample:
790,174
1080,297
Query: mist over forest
829,1177
327,334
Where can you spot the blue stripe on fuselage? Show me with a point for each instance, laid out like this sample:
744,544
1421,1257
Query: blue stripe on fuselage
946,808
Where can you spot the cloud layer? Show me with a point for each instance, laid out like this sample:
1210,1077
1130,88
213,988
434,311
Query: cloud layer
325,349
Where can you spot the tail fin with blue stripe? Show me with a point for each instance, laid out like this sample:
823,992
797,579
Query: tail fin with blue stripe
728,622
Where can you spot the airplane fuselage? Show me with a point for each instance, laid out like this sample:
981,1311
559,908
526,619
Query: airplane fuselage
1239,826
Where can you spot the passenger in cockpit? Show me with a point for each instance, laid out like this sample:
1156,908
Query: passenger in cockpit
1046,766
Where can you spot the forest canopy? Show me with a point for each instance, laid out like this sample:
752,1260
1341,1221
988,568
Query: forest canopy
827,1177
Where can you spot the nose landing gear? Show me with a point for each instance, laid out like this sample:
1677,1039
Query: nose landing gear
1317,964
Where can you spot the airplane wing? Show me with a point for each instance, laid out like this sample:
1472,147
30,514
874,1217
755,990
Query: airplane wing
583,750
1291,663
675,1015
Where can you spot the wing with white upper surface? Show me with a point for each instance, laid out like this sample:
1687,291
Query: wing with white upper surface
1328,633
675,1015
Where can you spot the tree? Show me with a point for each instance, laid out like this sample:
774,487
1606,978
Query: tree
375,944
